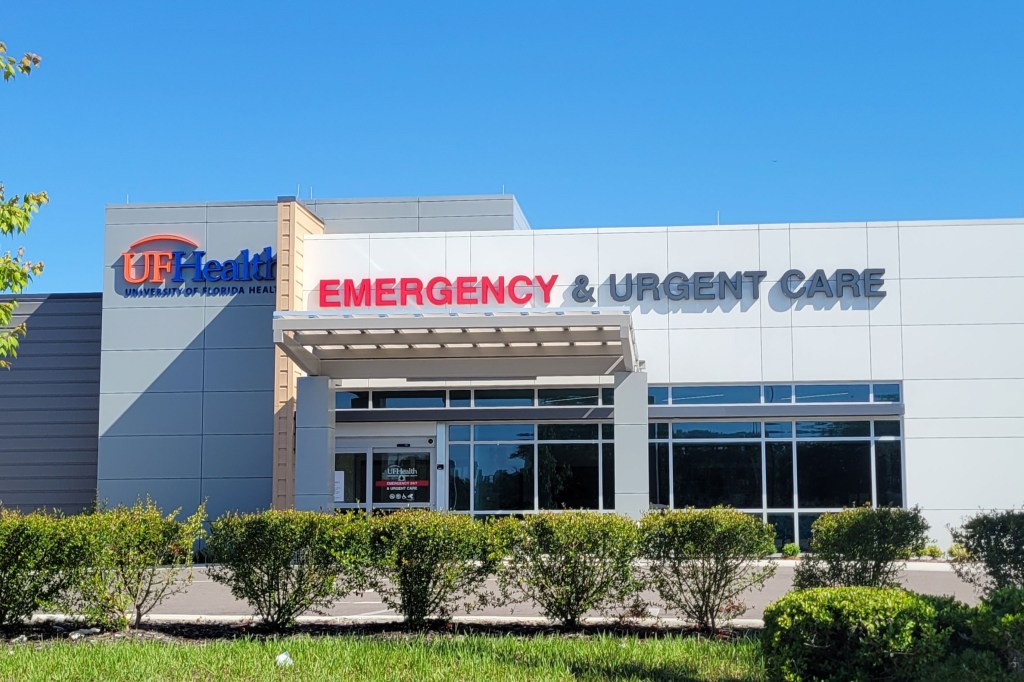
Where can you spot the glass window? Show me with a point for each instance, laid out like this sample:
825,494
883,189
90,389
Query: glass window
350,477
832,393
689,430
458,432
567,432
503,477
887,393
779,475
889,473
778,393
608,431
402,477
458,398
657,395
658,462
504,397
778,429
717,473
567,476
887,428
715,395
458,477
608,472
783,524
351,400
804,537
607,396
503,432
833,429
657,430
567,396
400,399
833,474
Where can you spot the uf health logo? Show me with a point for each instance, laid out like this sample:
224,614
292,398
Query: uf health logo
175,266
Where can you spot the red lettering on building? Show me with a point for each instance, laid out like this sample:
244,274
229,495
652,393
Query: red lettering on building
436,291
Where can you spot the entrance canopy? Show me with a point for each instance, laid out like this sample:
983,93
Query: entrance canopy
519,344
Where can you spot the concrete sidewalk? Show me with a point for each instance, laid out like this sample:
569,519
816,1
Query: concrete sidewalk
212,602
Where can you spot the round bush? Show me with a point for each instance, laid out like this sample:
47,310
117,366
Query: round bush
849,634
791,550
999,625
568,563
992,550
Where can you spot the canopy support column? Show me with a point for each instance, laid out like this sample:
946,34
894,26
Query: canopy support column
632,482
314,444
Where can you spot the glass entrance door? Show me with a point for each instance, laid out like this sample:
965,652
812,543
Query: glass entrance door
350,479
403,478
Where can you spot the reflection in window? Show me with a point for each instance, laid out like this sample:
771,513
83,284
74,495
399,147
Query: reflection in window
458,477
459,398
657,431
567,432
717,474
833,429
778,429
889,473
567,396
608,472
833,474
503,432
503,477
691,430
657,395
783,524
504,397
887,428
715,395
351,400
887,393
804,537
458,432
567,476
406,399
658,474
833,393
779,475
778,393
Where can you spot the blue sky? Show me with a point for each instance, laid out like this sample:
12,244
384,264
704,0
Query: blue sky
591,113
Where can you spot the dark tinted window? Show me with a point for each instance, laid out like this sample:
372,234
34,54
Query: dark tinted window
504,397
399,399
503,477
657,395
567,396
607,431
778,393
658,472
657,430
833,393
783,524
607,396
715,395
713,474
503,432
887,393
716,430
889,474
887,428
352,400
567,476
458,477
567,432
804,537
779,474
778,429
831,474
458,432
458,398
833,429
608,472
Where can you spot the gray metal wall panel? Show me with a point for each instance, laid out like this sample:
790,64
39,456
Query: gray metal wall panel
49,402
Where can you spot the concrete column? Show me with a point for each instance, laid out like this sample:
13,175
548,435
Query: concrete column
632,481
314,444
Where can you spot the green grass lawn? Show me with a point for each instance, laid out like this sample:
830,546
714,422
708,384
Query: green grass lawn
436,657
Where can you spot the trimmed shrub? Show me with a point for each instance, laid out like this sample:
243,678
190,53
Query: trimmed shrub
701,562
425,563
953,620
135,559
976,665
932,552
791,550
849,634
284,563
39,562
993,550
999,625
861,547
957,552
568,563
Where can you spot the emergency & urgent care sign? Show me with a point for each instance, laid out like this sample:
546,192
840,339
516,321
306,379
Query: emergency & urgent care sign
405,291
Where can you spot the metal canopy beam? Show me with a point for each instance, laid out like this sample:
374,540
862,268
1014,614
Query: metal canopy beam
510,345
